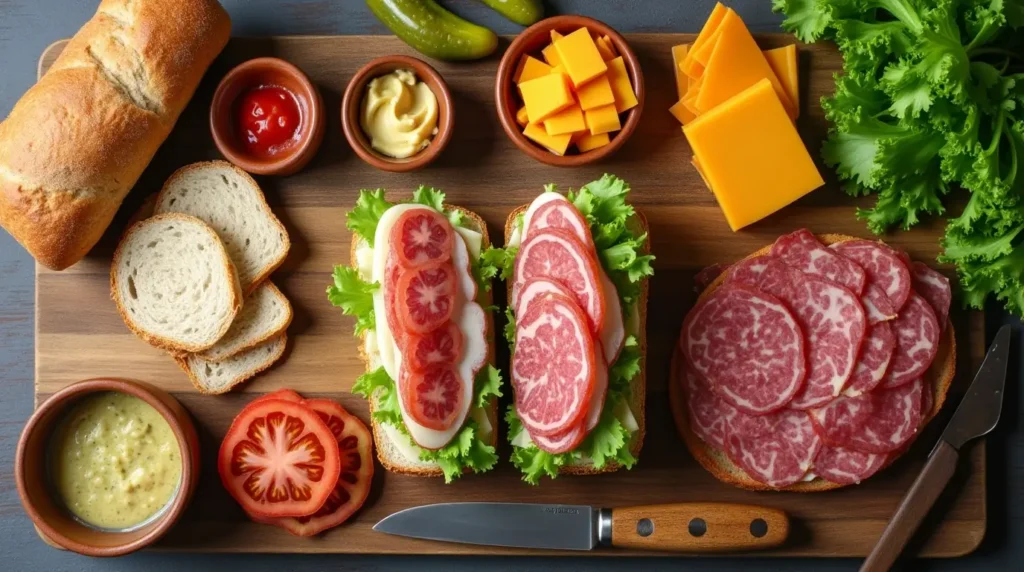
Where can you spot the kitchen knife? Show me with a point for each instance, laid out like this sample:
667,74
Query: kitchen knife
977,415
690,527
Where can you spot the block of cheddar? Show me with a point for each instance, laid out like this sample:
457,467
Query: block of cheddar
751,155
783,62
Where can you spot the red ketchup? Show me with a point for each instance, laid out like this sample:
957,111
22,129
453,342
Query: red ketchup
268,120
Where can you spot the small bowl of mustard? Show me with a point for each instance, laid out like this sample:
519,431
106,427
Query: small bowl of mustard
105,467
397,113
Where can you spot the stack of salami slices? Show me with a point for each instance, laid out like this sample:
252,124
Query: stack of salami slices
812,364
426,273
569,326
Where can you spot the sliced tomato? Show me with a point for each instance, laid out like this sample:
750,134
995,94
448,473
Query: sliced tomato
392,271
421,237
283,393
426,297
279,458
433,397
442,346
355,444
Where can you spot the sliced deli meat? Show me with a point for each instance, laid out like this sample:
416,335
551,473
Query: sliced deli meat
613,328
538,288
873,361
748,271
776,449
708,412
917,342
421,237
803,251
563,442
560,213
554,366
748,346
934,287
557,254
881,421
884,268
877,305
847,466
833,323
707,275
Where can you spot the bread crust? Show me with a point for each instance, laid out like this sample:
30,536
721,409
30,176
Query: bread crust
162,342
638,395
79,139
182,361
266,337
395,465
940,374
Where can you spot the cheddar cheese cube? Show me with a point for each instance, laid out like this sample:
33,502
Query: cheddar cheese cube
521,117
580,57
555,36
569,120
588,142
557,144
550,52
546,96
604,119
604,48
608,43
622,88
751,155
531,68
595,93
783,62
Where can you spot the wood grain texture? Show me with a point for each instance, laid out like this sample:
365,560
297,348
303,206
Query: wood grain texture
79,334
699,527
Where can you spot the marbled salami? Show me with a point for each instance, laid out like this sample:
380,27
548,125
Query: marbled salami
846,466
748,346
776,449
883,267
706,275
747,271
708,412
934,287
917,342
803,251
877,305
873,361
881,421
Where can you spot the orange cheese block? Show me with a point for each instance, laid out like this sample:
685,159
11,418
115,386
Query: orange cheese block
521,117
546,96
783,62
751,155
588,142
608,43
550,53
595,93
569,120
622,88
531,68
604,48
682,113
682,80
691,66
604,119
736,64
557,144
578,54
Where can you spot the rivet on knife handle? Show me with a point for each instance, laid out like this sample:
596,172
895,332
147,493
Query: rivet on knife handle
698,527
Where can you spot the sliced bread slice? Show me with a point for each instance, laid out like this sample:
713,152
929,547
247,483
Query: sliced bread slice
174,284
265,314
214,378
231,202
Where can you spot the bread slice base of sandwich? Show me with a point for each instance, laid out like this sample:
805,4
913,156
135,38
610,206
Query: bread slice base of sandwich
638,385
388,452
940,375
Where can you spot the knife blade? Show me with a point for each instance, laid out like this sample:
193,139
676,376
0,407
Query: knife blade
977,415
696,527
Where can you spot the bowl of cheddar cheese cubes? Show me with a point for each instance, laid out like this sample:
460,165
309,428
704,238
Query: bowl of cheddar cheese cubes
569,91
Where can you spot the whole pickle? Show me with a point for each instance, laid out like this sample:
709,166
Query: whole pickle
434,31
522,12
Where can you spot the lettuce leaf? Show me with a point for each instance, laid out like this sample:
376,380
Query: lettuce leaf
363,219
354,296
434,198
492,262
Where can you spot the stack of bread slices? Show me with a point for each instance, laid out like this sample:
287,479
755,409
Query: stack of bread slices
191,277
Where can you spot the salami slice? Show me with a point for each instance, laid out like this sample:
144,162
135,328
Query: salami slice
708,412
875,354
833,322
748,346
707,275
877,305
846,466
917,342
560,213
776,449
558,255
561,443
748,271
803,251
881,421
538,288
554,366
934,287
883,267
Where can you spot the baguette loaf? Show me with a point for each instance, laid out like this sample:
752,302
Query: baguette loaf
78,140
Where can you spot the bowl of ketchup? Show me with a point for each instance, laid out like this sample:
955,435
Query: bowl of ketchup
267,117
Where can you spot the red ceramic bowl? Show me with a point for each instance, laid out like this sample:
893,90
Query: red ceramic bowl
54,523
531,41
264,72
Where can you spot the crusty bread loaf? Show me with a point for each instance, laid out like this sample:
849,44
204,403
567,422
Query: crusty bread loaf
638,385
387,452
174,284
940,376
215,378
78,140
265,314
230,201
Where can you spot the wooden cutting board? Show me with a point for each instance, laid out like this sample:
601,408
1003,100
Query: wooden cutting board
79,334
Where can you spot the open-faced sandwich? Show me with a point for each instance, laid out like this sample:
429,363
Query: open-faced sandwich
419,288
577,268
813,363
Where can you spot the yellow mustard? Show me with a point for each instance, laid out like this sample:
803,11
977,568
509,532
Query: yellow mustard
114,460
399,114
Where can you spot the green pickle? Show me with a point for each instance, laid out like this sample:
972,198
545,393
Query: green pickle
434,31
522,12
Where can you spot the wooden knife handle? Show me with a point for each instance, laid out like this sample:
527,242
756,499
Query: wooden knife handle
698,527
913,508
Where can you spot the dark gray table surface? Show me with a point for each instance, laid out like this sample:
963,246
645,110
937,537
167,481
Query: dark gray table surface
28,26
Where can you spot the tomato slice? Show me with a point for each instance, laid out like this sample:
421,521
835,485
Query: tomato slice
283,393
433,397
421,237
426,297
279,458
442,346
355,444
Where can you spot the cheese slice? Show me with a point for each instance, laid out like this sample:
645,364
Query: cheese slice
691,66
753,131
736,64
682,80
682,114
783,62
